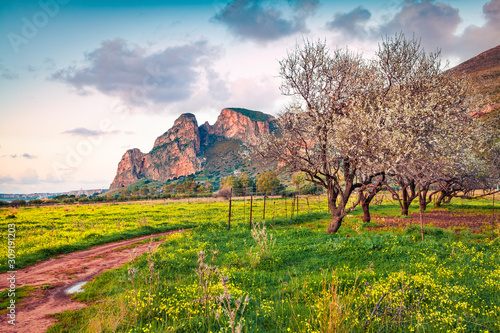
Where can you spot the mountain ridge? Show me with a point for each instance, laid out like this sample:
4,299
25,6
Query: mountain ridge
184,148
484,71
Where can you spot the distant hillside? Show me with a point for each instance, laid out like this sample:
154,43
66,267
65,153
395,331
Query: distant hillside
484,70
31,196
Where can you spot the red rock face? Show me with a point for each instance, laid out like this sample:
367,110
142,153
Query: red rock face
177,152
234,125
174,154
185,130
129,169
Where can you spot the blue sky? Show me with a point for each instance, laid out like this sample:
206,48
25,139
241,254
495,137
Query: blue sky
82,81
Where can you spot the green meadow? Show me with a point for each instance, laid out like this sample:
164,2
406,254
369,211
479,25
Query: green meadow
287,275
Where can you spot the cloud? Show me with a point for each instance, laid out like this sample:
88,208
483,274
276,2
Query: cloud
8,74
25,155
81,131
49,63
250,20
435,23
218,88
29,176
477,39
6,179
29,156
140,78
352,23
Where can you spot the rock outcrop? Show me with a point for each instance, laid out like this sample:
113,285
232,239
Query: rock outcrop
179,151
129,168
240,124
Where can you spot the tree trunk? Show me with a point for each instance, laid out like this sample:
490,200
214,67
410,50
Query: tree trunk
422,197
365,205
406,204
335,224
439,200
409,194
336,221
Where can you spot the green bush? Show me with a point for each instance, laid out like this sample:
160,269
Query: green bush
35,202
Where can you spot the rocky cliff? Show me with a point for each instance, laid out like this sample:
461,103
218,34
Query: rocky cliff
129,168
181,150
240,124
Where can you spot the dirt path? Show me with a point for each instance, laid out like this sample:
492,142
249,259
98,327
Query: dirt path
62,273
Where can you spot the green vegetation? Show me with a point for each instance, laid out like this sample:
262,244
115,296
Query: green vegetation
223,157
20,294
45,232
253,115
297,277
268,183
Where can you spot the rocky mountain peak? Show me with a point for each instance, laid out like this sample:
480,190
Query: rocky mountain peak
185,130
240,124
178,151
129,168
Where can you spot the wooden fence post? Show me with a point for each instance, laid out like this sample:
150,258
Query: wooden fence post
264,211
251,210
493,220
229,215
286,213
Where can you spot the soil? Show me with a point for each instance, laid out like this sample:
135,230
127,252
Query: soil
456,221
33,314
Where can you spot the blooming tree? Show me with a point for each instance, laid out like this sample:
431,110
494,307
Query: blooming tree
355,122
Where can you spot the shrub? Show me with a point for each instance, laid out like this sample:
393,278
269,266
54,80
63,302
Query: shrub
52,201
17,203
224,193
35,202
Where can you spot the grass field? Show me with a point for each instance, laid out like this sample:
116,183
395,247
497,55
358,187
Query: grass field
297,277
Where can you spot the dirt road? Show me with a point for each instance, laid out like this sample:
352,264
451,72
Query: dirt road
62,273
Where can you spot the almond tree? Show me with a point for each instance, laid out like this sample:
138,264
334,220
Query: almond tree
426,118
353,119
319,133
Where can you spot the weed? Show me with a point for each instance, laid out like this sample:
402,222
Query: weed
265,241
227,305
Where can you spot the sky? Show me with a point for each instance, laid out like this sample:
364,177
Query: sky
83,81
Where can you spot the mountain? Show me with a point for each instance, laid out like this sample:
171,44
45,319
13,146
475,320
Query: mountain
484,70
31,196
186,149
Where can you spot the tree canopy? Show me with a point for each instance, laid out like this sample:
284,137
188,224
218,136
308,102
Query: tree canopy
354,123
